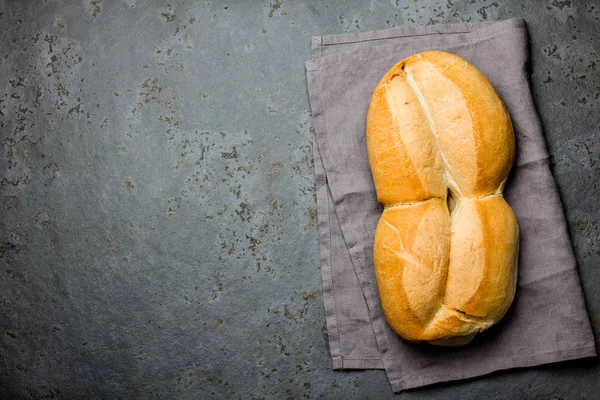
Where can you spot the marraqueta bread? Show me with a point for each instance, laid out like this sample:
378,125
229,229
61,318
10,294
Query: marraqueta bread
441,145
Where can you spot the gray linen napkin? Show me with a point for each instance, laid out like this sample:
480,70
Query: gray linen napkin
548,321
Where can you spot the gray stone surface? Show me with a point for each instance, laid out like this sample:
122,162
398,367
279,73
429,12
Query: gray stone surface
157,229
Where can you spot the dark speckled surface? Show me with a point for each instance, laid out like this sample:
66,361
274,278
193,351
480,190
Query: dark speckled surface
158,230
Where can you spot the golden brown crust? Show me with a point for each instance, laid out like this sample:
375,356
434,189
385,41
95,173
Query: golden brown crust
420,176
412,244
444,269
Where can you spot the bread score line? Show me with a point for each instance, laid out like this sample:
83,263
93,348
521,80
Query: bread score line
441,145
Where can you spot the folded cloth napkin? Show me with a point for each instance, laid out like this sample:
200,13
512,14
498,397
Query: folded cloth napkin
547,322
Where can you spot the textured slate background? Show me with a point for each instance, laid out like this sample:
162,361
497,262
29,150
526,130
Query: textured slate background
158,229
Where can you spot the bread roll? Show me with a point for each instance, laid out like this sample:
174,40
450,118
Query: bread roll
441,145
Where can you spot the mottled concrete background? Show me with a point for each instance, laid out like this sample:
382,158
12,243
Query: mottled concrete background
158,230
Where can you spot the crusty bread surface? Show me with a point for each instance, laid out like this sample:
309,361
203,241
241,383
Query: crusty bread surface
440,145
